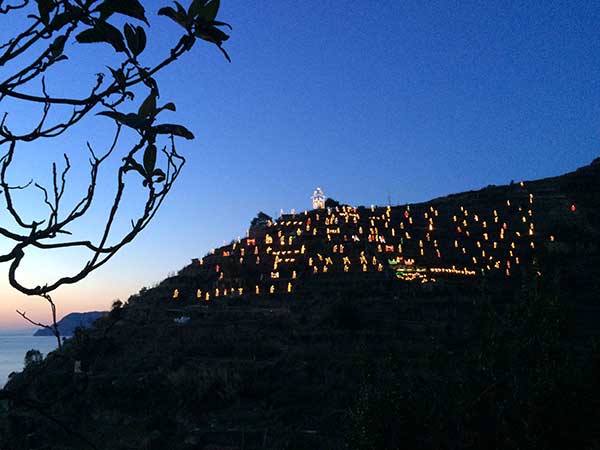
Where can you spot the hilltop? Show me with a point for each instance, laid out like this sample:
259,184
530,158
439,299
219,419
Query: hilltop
273,340
68,324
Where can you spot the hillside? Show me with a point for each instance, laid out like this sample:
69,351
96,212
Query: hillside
68,324
269,341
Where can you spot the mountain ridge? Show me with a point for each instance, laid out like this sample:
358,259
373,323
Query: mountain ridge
282,370
68,324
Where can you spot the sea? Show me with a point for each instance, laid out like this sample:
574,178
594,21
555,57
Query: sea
14,345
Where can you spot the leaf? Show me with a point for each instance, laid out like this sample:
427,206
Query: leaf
148,106
150,158
102,32
57,46
60,20
131,120
224,53
112,34
44,8
170,106
141,34
180,16
209,12
160,176
118,116
130,37
119,77
132,164
136,39
169,12
131,8
216,23
176,130
89,36
210,34
196,7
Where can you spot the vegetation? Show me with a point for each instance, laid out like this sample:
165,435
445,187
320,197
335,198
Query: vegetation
345,360
33,357
519,383
27,58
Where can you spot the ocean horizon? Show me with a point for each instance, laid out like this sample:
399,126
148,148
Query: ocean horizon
14,344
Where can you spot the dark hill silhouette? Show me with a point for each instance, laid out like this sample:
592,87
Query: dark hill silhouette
204,361
497,232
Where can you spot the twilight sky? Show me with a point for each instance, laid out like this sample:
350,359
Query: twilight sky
369,100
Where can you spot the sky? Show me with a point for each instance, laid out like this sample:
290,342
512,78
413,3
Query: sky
375,102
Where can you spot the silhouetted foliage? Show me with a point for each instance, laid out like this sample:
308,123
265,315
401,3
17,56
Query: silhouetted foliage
331,203
49,30
33,357
517,384
260,220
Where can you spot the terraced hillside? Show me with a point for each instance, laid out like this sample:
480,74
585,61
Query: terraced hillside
267,343
498,233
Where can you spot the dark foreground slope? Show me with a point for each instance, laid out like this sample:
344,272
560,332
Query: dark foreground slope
356,337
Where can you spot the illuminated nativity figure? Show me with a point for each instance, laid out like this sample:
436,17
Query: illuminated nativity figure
318,199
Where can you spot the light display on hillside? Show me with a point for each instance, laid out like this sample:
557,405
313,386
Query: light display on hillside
424,244
318,199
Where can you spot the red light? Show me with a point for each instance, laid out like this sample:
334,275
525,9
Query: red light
573,208
406,214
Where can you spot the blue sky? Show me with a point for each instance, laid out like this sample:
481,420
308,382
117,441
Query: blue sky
368,100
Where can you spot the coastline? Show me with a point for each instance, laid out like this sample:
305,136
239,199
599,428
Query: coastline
13,346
